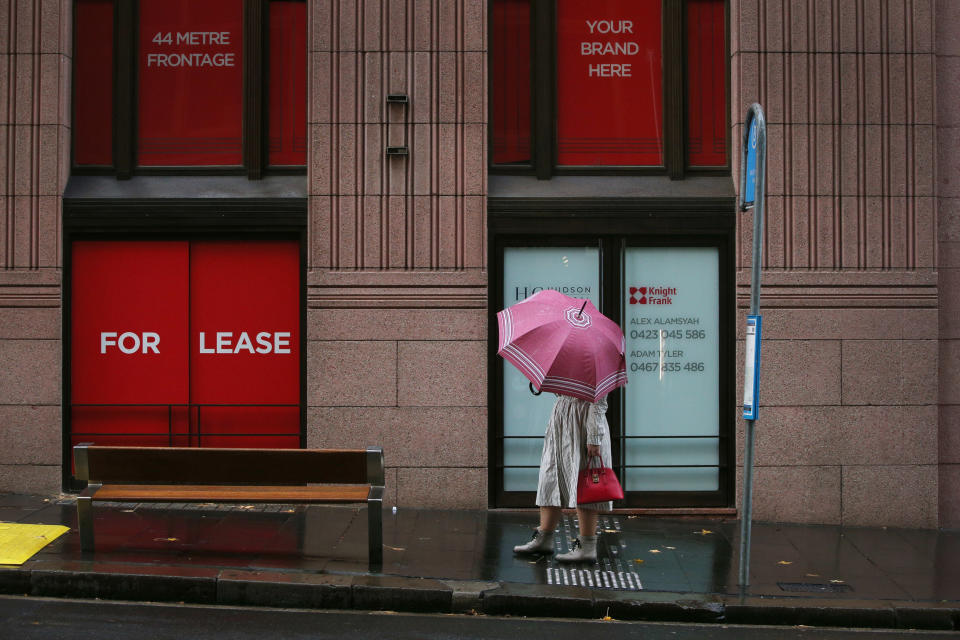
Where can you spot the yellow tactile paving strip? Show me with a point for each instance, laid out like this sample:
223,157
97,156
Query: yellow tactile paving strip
18,542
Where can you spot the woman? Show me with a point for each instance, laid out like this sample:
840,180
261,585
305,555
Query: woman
577,431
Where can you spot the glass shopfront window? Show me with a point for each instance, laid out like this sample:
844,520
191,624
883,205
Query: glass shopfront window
185,343
574,271
608,86
191,82
706,84
671,323
288,83
93,71
671,425
167,86
609,81
511,92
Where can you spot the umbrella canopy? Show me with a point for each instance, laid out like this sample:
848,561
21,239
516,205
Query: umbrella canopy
564,345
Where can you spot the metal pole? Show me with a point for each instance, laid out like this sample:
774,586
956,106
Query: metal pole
754,114
747,515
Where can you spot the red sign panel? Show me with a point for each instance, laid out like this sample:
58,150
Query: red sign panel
609,83
191,82
186,343
510,56
129,322
706,83
93,83
245,342
129,328
288,83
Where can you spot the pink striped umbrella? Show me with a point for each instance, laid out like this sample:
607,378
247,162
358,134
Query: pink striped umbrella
564,345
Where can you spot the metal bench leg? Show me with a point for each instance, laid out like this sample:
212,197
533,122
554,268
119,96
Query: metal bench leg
85,522
375,528
376,479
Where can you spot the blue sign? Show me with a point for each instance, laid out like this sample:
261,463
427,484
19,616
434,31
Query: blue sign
751,369
750,191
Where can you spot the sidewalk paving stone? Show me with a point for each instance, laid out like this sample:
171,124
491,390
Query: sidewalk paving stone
682,569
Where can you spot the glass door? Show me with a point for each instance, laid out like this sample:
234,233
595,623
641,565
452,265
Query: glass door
574,271
672,424
671,321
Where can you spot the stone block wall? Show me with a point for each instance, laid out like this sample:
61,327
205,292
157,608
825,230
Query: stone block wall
849,426
397,280
35,46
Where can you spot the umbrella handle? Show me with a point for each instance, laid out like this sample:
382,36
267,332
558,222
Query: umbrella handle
534,391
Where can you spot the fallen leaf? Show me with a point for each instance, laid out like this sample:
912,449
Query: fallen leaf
785,562
247,506
837,581
813,575
610,531
639,560
671,547
654,550
386,546
703,532
165,539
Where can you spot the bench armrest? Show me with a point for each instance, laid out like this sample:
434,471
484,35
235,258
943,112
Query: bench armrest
80,462
89,491
375,472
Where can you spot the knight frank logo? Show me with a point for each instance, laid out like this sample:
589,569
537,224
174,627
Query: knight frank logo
638,291
652,295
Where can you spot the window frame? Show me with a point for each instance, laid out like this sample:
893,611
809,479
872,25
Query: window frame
543,100
175,219
255,95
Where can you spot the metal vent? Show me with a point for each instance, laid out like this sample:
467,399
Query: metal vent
815,587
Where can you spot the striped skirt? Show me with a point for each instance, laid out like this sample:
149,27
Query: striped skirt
565,451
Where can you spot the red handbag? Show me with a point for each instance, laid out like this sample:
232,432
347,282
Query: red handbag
597,484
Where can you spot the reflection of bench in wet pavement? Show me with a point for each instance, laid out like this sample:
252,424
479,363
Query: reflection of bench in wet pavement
247,476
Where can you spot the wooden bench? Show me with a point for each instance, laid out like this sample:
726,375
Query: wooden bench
273,476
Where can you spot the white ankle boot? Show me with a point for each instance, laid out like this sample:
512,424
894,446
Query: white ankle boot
582,550
542,542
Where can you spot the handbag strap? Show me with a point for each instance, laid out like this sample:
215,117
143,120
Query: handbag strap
599,462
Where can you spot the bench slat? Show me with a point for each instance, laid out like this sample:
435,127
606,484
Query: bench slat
226,466
215,493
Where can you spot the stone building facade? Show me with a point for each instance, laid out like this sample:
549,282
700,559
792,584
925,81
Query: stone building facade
859,421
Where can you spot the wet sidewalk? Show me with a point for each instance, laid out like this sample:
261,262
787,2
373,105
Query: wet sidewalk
462,561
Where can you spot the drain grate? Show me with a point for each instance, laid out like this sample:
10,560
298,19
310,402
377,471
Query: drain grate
815,587
596,578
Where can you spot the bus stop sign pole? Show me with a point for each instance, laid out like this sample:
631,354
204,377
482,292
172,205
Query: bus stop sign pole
753,164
